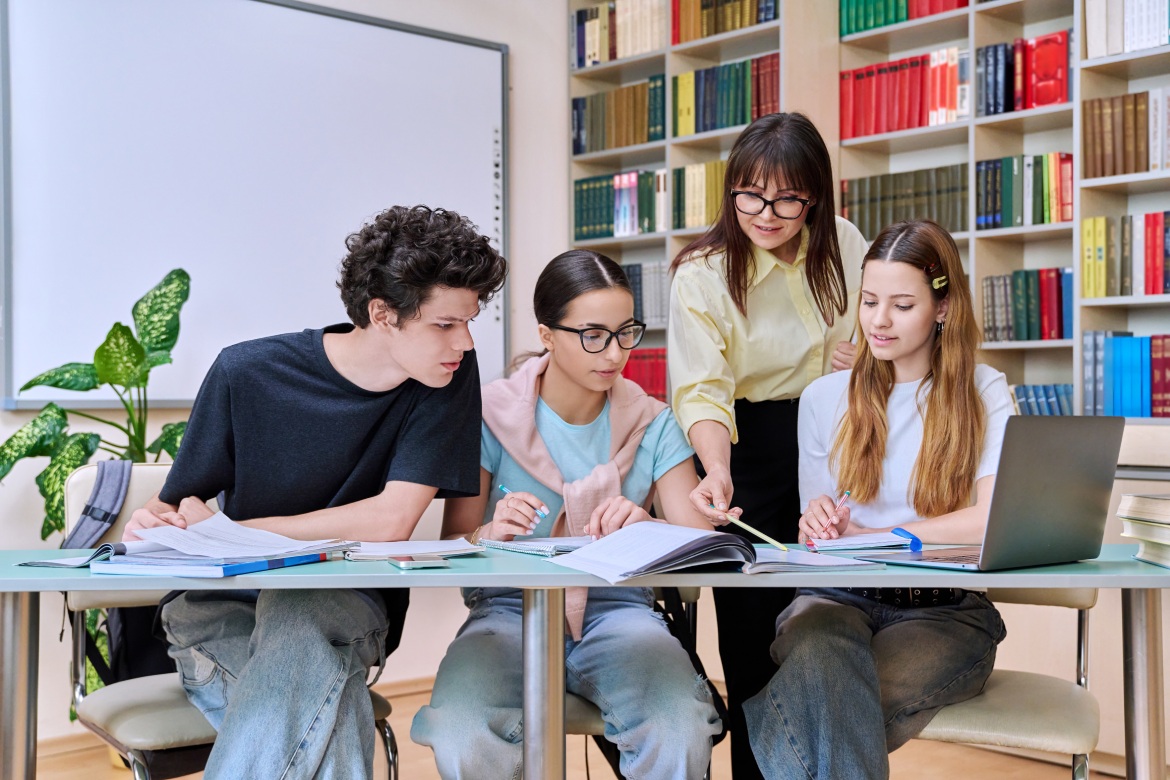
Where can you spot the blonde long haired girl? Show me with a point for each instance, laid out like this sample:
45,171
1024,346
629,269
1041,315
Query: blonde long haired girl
913,433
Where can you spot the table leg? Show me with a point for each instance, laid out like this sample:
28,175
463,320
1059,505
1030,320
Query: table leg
19,632
544,684
1141,619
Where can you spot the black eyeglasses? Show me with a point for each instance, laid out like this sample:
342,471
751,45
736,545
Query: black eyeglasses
596,340
786,207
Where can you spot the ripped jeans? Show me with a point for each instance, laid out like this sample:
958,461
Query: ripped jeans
656,708
281,675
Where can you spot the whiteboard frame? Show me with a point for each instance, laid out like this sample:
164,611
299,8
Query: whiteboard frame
79,400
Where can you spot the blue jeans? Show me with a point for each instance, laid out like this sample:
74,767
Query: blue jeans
281,675
859,678
657,710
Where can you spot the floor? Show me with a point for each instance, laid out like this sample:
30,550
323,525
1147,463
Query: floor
916,761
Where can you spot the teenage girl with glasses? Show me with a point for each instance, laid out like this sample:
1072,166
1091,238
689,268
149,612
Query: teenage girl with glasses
583,451
914,433
761,305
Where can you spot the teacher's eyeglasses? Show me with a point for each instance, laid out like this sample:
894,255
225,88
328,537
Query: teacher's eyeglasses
786,207
596,340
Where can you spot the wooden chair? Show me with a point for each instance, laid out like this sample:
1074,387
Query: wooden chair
149,720
1028,710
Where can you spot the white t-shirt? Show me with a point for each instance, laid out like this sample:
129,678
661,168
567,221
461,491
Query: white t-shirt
823,403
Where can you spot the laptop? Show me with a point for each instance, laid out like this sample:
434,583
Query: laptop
1051,497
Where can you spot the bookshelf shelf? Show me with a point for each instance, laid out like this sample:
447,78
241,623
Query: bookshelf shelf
688,233
1131,65
911,140
731,45
1130,183
635,68
721,139
1051,232
1024,11
1006,346
1033,120
625,156
919,33
622,242
1128,301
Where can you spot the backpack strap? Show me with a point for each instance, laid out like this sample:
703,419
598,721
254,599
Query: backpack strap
104,504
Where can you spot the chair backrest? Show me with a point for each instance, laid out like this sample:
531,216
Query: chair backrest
146,479
1073,598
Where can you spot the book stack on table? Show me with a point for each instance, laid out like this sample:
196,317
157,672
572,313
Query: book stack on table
1146,519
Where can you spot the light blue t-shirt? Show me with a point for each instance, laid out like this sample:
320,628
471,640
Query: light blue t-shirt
577,449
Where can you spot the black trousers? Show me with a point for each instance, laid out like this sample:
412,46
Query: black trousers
764,476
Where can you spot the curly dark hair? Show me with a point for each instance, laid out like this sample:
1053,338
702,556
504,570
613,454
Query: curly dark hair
405,252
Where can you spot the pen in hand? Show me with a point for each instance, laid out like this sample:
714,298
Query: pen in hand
733,519
541,513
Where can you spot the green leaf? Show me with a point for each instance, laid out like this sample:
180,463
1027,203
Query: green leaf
39,436
71,376
121,360
75,451
156,314
157,358
169,440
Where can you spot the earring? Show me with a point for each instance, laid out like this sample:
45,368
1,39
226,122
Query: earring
938,328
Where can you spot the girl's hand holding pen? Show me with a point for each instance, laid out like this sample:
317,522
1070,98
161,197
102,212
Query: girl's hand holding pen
515,515
824,518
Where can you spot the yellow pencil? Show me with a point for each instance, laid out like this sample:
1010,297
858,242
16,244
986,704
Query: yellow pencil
750,530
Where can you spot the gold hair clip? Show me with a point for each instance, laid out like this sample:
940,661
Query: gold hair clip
939,282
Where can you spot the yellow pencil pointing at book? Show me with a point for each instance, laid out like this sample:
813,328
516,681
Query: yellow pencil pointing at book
733,519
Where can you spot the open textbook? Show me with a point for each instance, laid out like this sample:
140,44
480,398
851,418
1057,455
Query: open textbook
653,548
216,547
546,546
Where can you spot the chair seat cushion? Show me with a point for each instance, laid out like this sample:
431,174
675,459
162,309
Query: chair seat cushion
582,716
148,713
1022,710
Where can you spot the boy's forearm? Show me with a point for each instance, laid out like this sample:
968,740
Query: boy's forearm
381,518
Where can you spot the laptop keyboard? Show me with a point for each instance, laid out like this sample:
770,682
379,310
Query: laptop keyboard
967,558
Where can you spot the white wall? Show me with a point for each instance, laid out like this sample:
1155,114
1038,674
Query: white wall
538,229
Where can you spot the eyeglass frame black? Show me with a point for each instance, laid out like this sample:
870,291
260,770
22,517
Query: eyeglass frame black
804,204
612,335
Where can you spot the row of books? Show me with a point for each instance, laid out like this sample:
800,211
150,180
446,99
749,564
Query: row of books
917,91
647,367
1023,190
861,15
621,205
694,19
615,30
629,115
1045,400
1026,73
1127,133
726,95
1119,26
872,202
1129,255
698,194
1146,519
1126,375
1028,305
650,283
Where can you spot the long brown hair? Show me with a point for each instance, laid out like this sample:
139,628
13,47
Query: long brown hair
954,420
789,148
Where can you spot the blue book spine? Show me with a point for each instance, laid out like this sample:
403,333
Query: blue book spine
1066,303
1021,400
1051,397
1144,377
1030,397
247,567
1108,365
1088,373
1127,396
1064,395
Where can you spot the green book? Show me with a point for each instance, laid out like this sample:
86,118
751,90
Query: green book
1033,279
1007,190
1019,305
879,12
1018,204
1038,197
901,10
674,106
1045,190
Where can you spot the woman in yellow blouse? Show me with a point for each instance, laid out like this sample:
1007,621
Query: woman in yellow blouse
761,305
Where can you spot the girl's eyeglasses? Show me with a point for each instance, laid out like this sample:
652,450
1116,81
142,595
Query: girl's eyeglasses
596,340
787,207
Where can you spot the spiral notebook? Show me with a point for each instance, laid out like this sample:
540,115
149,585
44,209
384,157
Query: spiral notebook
545,547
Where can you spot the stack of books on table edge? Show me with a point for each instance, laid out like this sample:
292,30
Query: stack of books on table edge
1146,519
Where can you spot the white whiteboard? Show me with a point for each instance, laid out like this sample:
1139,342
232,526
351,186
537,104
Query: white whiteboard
240,140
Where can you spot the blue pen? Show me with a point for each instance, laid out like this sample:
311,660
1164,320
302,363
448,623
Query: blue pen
915,542
541,513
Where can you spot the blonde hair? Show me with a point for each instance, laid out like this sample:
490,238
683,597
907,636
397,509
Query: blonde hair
954,420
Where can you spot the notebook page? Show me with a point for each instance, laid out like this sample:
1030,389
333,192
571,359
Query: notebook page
861,542
220,537
629,548
420,547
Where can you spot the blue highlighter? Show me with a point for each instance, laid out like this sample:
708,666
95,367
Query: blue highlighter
915,542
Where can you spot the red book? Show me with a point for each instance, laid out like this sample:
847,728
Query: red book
1066,187
927,95
1049,69
755,66
1018,58
935,7
846,103
1159,404
913,92
868,118
773,82
902,114
1050,311
674,22
881,98
1148,250
1153,270
895,95
858,102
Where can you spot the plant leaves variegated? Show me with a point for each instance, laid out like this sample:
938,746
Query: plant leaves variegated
71,376
156,314
121,360
39,436
74,451
169,440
